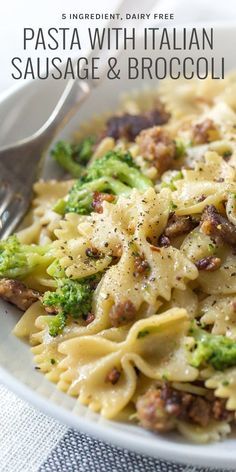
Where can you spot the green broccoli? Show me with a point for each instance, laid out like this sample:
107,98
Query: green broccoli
55,270
81,195
73,157
180,148
216,350
71,298
119,166
18,260
56,324
114,173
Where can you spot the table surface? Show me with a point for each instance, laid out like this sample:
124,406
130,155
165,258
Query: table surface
29,440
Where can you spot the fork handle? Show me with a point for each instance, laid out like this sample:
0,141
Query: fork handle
76,91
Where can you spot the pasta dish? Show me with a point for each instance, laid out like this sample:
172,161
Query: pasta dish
125,270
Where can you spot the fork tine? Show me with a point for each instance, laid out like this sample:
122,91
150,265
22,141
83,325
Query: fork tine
6,199
8,228
12,215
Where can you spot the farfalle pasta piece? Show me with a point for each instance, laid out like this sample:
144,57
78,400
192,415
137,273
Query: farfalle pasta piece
231,208
186,299
190,97
155,345
167,266
48,192
26,328
188,196
128,225
70,248
211,169
204,185
220,313
197,245
223,280
39,225
46,348
224,385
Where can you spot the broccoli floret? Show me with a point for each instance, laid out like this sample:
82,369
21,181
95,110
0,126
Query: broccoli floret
84,150
180,148
55,270
56,324
80,198
119,166
72,297
115,173
216,350
18,260
73,157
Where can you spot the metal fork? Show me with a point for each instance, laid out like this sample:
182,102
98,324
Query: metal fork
20,163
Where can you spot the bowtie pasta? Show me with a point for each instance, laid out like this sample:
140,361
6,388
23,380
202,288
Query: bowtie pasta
126,269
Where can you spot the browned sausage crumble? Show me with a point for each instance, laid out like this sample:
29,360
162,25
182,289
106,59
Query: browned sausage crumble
122,313
99,198
113,376
93,253
141,265
159,409
157,147
209,263
217,226
17,293
205,132
89,318
178,225
163,241
129,126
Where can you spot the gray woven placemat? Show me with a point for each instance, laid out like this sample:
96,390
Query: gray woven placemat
78,452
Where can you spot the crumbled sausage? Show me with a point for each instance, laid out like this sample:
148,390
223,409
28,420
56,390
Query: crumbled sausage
113,376
51,310
122,313
163,241
17,293
199,411
157,147
89,318
205,132
201,198
93,253
219,411
129,126
140,265
209,263
178,225
99,198
152,413
159,408
218,226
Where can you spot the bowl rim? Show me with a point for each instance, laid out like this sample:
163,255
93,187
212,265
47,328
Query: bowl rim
182,453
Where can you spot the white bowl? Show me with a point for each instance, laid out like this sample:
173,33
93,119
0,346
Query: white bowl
22,111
